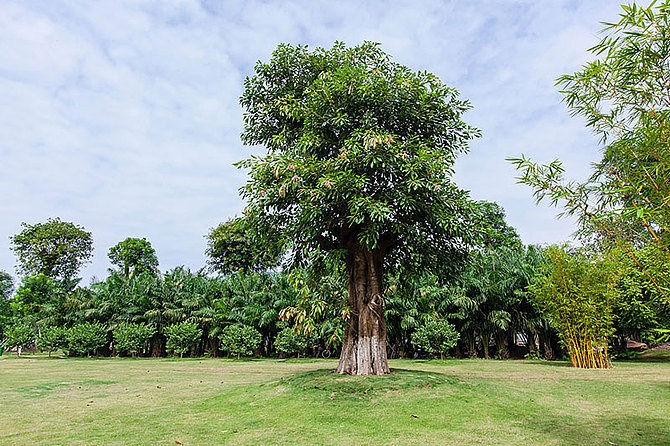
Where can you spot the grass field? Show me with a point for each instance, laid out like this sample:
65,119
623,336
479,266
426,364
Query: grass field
215,401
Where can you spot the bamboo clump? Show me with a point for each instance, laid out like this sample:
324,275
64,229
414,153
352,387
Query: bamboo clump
588,352
577,294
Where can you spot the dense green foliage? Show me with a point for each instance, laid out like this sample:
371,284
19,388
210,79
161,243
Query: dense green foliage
19,336
182,337
6,289
487,299
55,248
360,157
52,339
240,340
132,338
133,256
357,144
39,301
289,342
641,307
484,296
230,249
436,337
84,339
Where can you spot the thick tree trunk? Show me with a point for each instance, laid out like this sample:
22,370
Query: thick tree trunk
157,345
502,345
531,343
485,339
364,346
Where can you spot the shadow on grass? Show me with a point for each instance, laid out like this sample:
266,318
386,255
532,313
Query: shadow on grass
605,429
327,381
653,356
61,386
551,363
306,360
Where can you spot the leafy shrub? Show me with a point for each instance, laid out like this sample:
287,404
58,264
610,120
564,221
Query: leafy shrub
436,337
240,340
19,336
658,336
132,338
289,342
52,339
534,355
84,339
627,355
182,337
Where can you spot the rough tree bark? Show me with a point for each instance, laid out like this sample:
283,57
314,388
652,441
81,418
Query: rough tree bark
157,345
364,344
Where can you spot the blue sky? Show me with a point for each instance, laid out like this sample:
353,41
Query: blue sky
123,116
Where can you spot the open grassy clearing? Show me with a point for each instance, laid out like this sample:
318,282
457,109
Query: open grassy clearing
209,401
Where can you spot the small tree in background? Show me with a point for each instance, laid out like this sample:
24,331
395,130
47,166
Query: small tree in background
577,296
19,336
240,340
132,338
55,248
52,339
133,256
436,337
6,285
288,342
182,337
230,249
6,289
38,301
84,339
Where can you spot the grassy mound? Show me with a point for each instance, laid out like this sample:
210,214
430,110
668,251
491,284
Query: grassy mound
327,381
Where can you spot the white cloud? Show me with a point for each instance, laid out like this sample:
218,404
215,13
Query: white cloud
123,116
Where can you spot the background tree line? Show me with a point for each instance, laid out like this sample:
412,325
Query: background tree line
484,307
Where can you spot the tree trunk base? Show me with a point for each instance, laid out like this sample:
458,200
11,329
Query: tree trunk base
364,344
365,356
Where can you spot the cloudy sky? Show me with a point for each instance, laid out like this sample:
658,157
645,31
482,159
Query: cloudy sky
123,116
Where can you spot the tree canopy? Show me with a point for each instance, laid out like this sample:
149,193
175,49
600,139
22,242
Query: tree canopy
55,248
6,285
361,151
133,256
231,249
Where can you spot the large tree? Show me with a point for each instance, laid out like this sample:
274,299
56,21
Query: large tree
55,248
360,156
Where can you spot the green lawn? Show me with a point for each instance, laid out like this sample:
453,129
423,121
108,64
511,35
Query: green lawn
214,401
